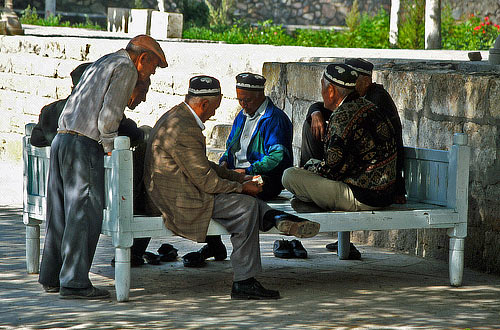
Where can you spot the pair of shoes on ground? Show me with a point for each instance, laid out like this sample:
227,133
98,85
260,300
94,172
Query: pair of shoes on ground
292,225
197,259
252,289
289,249
87,293
166,253
354,253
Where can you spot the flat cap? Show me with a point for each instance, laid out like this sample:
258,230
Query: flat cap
360,65
250,81
204,86
341,75
149,44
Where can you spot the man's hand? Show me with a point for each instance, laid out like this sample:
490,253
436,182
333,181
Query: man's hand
240,170
317,125
251,188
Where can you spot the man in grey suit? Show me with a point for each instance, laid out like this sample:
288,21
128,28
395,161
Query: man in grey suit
189,190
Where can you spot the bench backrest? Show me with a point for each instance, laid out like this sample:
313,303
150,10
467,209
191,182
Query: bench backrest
435,176
432,176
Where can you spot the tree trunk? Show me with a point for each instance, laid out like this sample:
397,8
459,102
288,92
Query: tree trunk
433,24
161,5
50,8
394,22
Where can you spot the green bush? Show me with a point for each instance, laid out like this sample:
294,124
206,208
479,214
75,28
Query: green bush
30,16
411,31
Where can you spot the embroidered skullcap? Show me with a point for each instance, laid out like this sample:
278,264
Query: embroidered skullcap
76,74
341,75
250,81
149,44
360,65
204,86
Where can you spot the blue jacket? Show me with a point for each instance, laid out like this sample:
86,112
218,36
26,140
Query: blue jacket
270,148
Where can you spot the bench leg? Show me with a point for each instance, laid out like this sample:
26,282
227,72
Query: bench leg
33,248
344,244
456,262
122,273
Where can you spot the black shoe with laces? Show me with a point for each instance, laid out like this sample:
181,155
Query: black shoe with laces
354,253
282,249
298,249
252,289
218,251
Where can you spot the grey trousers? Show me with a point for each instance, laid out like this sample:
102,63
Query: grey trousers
242,216
75,199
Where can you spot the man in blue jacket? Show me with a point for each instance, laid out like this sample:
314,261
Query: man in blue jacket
260,143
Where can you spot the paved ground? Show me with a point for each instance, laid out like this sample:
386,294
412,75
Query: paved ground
382,291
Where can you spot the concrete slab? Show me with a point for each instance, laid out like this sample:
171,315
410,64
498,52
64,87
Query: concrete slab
384,290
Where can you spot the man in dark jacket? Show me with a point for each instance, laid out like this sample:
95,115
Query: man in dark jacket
350,162
46,128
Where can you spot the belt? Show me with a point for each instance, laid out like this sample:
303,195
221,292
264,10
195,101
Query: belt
70,132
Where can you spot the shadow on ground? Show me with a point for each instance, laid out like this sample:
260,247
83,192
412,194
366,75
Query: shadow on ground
382,291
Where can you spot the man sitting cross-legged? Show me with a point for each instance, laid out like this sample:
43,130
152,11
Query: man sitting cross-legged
189,190
316,122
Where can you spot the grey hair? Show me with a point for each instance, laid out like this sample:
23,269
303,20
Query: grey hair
197,99
342,91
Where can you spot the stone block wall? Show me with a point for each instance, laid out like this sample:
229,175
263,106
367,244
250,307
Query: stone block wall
434,101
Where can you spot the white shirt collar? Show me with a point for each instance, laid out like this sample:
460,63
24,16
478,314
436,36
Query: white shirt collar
198,120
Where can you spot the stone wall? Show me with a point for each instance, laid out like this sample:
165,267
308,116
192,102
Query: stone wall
434,101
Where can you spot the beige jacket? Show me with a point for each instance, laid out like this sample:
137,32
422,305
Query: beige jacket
180,179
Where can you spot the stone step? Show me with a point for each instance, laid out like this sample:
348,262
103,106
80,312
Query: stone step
219,134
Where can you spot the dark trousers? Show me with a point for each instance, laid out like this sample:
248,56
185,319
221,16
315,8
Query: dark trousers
75,199
310,147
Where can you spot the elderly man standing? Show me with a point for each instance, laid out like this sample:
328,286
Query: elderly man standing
189,190
88,125
358,169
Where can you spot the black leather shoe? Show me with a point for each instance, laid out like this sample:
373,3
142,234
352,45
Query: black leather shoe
193,259
292,225
151,258
87,293
354,253
282,249
135,261
167,252
298,250
218,251
252,289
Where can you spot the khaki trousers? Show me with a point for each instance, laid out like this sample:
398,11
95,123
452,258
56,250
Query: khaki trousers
327,194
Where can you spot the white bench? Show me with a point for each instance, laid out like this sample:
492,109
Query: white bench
437,186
